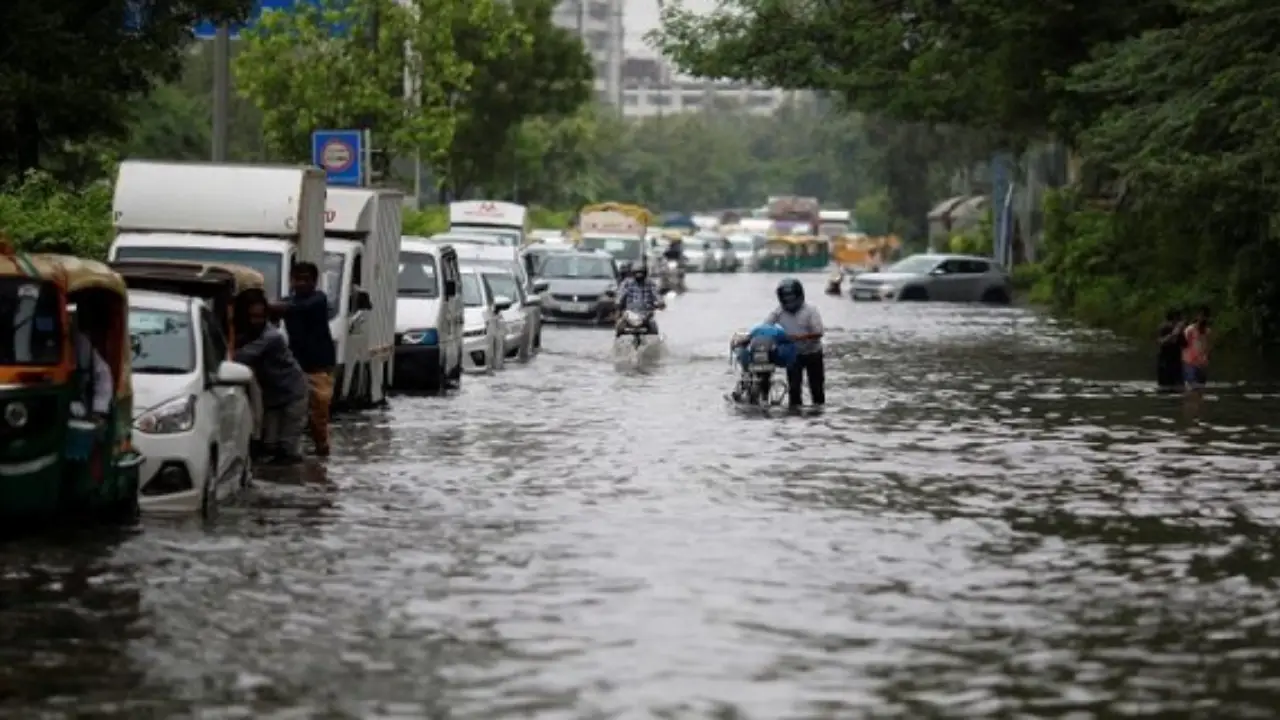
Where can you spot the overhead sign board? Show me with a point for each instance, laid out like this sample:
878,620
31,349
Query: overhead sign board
340,153
206,30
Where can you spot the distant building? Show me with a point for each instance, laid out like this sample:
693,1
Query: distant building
599,24
668,97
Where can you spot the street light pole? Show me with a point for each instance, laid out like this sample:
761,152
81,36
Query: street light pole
221,92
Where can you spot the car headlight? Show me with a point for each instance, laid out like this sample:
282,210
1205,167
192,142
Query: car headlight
175,416
474,332
420,337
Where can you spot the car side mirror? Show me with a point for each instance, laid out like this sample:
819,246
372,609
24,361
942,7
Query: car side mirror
541,286
502,303
362,300
450,288
938,271
233,373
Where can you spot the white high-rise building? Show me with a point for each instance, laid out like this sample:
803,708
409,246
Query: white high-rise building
599,24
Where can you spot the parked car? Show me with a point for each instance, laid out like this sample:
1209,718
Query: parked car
747,248
581,287
948,278
521,318
192,416
429,317
484,330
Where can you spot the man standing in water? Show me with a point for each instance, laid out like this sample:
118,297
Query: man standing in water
306,318
1195,353
1169,358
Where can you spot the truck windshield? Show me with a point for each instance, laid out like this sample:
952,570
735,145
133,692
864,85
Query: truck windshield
506,236
269,264
621,248
417,276
30,323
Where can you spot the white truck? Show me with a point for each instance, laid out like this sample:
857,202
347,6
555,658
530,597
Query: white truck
507,221
267,217
835,223
360,271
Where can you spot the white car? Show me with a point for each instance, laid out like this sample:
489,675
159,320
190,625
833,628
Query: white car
522,317
484,331
192,418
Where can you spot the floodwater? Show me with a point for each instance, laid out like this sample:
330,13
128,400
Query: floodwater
995,516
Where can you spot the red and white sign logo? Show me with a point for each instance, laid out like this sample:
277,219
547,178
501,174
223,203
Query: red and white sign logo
337,156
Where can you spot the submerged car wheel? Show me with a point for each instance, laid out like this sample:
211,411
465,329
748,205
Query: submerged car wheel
996,296
914,293
209,493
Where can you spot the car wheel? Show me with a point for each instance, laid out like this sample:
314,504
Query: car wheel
914,293
209,492
996,296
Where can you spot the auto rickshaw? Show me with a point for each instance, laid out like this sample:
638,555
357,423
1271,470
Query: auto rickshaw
817,252
224,285
57,461
777,255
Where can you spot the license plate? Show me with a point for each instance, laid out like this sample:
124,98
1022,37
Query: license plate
760,357
761,367
576,307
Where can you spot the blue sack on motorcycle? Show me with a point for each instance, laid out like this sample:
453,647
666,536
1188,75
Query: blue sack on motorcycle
772,338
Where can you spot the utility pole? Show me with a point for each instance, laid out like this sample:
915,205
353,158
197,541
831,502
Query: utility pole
221,92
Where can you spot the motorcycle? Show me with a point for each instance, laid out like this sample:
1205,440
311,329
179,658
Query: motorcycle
672,277
834,281
629,342
758,354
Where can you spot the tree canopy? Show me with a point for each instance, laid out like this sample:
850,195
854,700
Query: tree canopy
70,70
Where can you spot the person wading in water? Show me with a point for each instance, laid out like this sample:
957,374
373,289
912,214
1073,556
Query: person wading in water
1169,358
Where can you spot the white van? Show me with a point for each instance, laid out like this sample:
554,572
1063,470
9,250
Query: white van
429,317
507,221
361,251
265,217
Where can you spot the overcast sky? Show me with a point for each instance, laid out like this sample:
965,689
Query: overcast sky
642,16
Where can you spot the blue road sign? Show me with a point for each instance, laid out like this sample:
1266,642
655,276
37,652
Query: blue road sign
206,30
341,154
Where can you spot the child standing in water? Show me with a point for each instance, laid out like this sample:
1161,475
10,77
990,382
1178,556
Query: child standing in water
1195,353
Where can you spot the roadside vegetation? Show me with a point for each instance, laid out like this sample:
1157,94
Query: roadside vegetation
1169,108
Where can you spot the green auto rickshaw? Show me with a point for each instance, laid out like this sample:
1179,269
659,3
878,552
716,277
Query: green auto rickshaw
62,318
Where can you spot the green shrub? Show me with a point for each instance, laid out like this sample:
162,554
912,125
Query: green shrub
40,215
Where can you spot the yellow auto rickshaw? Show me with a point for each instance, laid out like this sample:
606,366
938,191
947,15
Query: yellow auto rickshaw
225,285
778,254
62,318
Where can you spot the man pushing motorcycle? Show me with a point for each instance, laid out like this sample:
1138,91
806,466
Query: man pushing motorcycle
639,294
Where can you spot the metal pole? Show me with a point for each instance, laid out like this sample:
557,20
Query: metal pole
221,92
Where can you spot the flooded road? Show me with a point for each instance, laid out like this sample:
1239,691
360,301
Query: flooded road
995,516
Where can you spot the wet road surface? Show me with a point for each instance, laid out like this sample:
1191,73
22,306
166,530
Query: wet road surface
995,516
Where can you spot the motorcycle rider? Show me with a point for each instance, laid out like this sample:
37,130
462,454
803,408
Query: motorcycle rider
803,325
638,293
675,251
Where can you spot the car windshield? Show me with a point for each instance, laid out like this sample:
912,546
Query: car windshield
915,265
334,272
577,266
503,284
418,276
269,264
30,322
622,248
471,294
162,342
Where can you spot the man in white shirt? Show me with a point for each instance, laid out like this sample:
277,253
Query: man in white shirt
99,391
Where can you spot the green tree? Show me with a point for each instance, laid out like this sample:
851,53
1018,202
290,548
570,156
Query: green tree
541,71
304,75
70,70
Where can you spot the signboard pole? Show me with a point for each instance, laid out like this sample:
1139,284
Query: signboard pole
366,147
221,92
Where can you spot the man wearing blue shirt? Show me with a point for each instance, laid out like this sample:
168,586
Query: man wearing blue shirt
306,319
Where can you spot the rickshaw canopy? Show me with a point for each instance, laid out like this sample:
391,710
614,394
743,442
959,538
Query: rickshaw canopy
638,213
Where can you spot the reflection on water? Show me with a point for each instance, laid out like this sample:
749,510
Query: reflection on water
997,515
